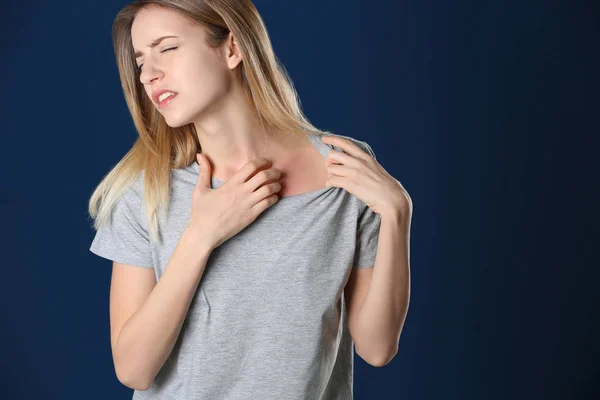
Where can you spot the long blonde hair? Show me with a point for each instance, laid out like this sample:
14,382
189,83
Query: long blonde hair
159,147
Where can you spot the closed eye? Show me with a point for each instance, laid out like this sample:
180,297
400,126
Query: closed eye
139,68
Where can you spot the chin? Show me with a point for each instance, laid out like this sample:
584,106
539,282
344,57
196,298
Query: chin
177,117
176,124
175,120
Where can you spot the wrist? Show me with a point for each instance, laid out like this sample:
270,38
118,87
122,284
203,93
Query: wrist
198,239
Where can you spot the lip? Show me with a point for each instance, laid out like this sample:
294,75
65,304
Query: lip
156,94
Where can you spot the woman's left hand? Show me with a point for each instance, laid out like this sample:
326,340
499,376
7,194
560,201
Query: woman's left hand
361,175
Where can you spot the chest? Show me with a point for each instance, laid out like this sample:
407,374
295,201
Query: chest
305,171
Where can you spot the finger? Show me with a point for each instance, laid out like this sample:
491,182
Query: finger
346,145
333,181
203,179
341,182
338,170
339,157
250,169
262,178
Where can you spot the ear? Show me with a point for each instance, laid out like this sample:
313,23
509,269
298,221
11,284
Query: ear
234,55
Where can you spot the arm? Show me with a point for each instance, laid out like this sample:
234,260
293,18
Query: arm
378,297
146,338
377,300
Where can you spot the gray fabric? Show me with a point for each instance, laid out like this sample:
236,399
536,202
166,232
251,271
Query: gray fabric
268,320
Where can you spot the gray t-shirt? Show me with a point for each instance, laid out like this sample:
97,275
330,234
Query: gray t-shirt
268,320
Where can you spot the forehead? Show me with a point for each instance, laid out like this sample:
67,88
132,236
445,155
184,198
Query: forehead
151,23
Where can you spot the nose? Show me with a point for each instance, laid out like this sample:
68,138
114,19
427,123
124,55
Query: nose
150,72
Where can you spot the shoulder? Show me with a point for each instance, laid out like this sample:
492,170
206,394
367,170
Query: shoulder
121,205
363,145
127,202
134,191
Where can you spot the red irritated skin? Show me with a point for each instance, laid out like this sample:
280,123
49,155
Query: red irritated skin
156,94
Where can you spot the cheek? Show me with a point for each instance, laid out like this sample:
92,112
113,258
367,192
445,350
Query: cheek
200,84
202,76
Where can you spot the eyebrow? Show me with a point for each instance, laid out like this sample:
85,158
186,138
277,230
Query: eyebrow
155,43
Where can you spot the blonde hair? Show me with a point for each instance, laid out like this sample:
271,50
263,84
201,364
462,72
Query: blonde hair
159,147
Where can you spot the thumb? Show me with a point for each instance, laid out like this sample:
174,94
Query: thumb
204,175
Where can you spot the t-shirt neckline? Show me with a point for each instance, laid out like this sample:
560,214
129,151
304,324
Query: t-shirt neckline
321,147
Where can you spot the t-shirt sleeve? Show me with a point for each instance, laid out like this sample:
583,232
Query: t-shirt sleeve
367,233
124,238
367,236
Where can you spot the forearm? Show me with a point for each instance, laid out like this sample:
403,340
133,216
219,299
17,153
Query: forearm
383,312
148,337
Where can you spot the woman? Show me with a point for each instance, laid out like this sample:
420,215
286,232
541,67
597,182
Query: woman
231,223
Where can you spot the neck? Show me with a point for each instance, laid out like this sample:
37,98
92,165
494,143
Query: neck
230,135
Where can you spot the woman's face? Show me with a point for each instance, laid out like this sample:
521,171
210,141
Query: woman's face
198,75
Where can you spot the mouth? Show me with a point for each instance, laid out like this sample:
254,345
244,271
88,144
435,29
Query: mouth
165,102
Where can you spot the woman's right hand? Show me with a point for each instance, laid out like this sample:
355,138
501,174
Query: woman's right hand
218,214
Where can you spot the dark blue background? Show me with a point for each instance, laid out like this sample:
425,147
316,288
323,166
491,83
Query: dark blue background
487,112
